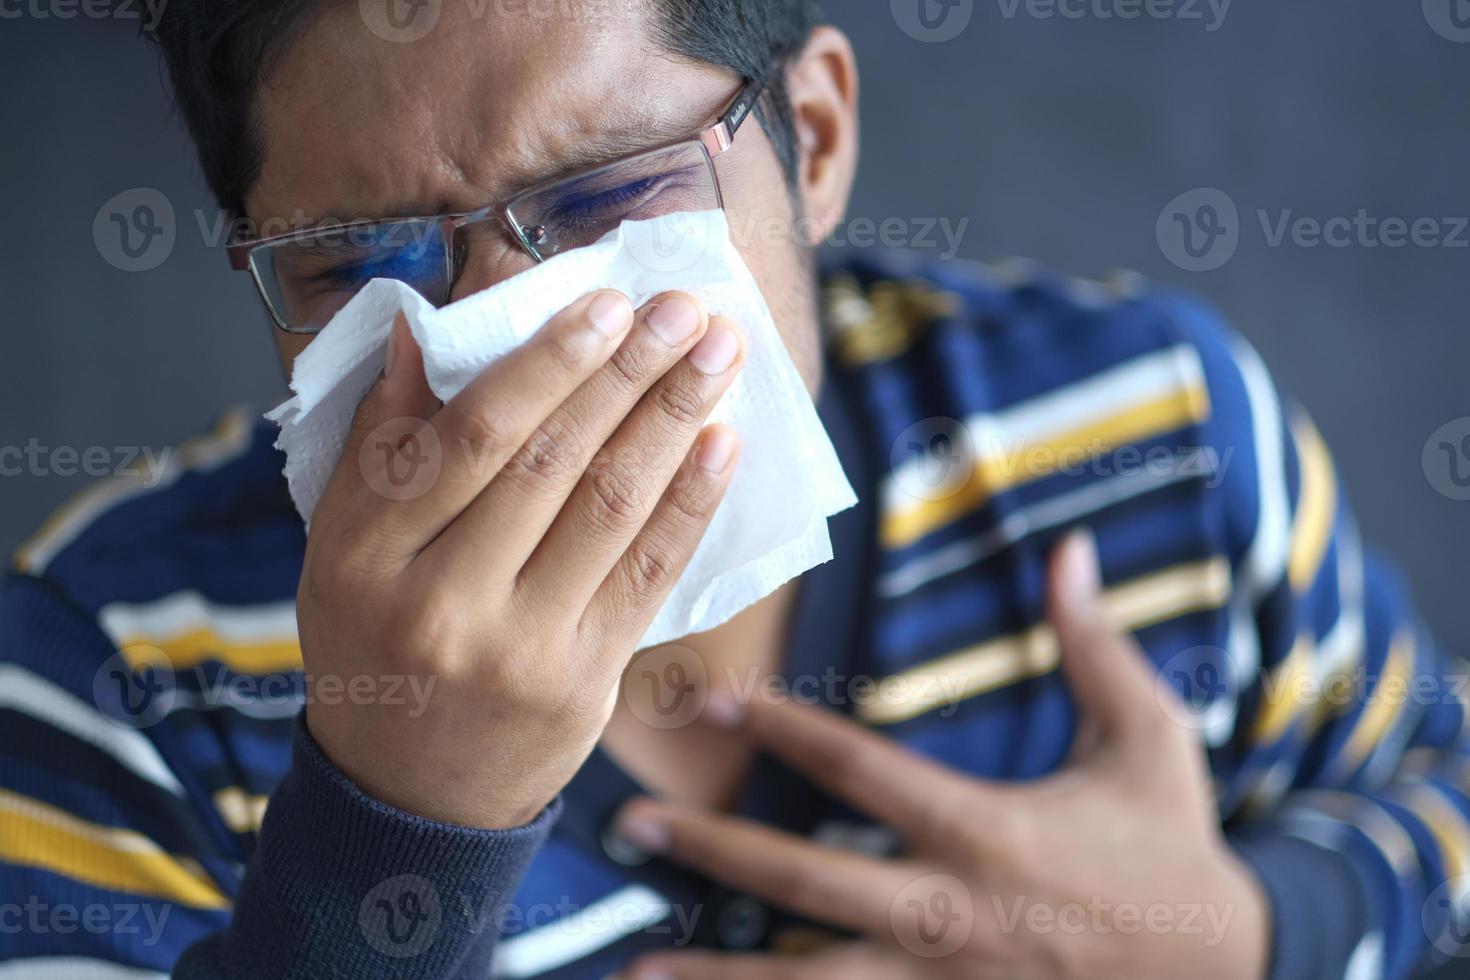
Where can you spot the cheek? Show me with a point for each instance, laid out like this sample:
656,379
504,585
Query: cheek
288,347
489,257
785,276
764,226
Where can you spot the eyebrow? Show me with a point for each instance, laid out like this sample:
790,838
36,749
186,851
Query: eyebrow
585,152
606,146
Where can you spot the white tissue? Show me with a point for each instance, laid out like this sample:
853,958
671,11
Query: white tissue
772,524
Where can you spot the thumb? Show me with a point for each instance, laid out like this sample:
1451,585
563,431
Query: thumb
393,409
403,386
1109,676
402,392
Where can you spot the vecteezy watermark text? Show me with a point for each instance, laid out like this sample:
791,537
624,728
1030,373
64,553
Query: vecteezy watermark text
1211,13
138,688
149,12
38,917
402,916
1200,230
37,459
136,230
1097,916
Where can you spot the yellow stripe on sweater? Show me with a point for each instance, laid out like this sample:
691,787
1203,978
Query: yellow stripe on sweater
38,835
1016,465
241,811
1385,703
1286,693
1446,824
1316,508
202,645
1010,659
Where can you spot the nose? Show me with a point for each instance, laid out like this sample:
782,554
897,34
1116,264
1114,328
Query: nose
486,254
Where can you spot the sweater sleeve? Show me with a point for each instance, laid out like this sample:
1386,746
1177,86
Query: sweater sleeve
115,861
344,886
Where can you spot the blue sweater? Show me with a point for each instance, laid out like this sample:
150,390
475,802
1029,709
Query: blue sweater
162,809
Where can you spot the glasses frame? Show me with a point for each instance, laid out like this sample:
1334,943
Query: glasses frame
713,140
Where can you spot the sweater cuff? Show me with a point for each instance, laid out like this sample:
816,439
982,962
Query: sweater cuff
1319,909
342,885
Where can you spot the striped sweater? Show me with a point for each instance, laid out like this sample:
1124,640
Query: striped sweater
161,810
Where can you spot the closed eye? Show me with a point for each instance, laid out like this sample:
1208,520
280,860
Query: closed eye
576,211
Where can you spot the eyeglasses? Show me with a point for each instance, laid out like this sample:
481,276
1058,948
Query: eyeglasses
305,277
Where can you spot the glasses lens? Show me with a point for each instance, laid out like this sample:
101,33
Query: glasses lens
308,280
583,209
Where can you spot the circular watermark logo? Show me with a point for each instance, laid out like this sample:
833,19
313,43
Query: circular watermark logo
666,686
400,917
1199,230
674,243
1445,916
1193,684
933,916
1446,459
401,459
1449,18
933,21
400,21
134,687
933,459
135,230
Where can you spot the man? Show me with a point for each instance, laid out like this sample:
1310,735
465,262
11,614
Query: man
479,784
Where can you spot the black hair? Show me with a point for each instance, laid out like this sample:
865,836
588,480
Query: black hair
218,52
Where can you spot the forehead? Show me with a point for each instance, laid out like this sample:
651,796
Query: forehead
356,120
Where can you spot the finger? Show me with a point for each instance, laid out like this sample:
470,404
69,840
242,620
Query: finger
840,888
394,407
627,480
631,595
917,796
405,389
1109,676
478,430
849,960
523,500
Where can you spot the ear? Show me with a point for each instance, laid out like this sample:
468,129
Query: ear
823,86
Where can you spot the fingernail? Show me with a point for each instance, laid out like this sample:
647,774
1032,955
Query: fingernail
611,314
715,450
722,710
716,350
674,320
644,833
1081,578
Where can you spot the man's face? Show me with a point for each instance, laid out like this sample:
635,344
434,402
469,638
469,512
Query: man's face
490,102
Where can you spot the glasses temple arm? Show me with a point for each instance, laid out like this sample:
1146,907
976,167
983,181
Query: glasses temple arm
721,135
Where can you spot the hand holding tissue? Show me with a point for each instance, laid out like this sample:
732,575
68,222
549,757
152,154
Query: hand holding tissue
772,523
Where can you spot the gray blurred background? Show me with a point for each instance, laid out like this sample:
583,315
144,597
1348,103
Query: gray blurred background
1059,138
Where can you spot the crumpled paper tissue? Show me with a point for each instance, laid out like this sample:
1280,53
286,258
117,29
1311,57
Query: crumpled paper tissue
772,523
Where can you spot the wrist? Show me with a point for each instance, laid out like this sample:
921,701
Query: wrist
426,780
